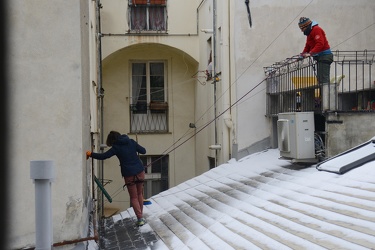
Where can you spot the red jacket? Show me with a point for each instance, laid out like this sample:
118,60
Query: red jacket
316,41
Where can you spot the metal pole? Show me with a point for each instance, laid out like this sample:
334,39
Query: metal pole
43,172
100,96
214,76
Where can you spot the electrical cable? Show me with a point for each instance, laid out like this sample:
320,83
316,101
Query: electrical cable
235,81
169,150
207,123
353,35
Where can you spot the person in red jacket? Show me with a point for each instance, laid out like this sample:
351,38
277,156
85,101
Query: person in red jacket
318,47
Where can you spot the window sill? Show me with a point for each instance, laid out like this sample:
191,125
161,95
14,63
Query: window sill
147,32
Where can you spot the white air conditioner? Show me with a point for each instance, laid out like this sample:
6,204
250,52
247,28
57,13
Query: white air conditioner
295,132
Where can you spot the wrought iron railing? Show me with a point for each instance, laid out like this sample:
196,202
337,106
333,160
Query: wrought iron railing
292,84
149,118
356,92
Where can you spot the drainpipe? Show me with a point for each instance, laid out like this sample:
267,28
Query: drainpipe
100,93
214,74
226,81
43,172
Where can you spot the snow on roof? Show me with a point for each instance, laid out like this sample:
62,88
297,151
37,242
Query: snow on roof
263,202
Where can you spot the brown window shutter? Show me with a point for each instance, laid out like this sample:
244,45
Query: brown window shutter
157,2
139,1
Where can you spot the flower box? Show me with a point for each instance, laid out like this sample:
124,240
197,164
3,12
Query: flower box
158,105
143,2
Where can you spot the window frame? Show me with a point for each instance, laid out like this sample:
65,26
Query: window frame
147,4
148,114
151,177
148,80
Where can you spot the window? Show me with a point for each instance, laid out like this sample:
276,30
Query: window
211,162
147,15
148,101
148,82
209,69
156,178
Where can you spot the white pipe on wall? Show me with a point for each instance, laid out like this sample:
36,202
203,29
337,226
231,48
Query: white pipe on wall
225,80
43,172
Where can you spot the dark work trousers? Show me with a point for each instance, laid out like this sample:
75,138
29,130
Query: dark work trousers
323,63
325,100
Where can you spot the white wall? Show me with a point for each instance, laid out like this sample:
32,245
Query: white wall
204,90
182,27
179,48
180,93
50,83
49,114
275,36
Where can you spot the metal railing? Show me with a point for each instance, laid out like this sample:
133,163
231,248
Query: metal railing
149,118
292,85
357,89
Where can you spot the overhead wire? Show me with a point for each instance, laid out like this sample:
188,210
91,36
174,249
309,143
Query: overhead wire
238,102
236,80
353,35
168,150
235,103
173,147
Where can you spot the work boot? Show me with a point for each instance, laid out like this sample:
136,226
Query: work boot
141,222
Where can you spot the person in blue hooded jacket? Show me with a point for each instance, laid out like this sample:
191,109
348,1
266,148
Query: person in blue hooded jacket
132,169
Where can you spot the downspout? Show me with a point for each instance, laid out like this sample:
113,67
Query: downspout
100,94
226,82
214,74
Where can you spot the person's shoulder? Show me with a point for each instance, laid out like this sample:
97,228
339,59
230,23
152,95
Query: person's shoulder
132,140
317,28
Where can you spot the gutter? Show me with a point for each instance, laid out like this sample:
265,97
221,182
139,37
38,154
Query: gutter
69,242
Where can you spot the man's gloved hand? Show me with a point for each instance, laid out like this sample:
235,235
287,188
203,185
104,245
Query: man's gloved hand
306,55
300,57
88,154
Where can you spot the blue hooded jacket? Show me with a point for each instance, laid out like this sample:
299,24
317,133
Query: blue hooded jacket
126,150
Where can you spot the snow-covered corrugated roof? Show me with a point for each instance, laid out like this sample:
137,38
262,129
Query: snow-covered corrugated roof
263,202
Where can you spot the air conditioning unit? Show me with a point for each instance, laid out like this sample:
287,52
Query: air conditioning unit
295,131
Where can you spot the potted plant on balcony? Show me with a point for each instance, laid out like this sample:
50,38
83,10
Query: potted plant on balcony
158,106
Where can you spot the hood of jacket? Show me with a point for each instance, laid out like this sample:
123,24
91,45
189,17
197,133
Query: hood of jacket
307,31
122,140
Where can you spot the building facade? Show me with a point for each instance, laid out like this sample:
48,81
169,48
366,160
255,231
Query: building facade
184,78
52,54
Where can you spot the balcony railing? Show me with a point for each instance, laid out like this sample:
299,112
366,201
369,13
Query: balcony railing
292,85
149,118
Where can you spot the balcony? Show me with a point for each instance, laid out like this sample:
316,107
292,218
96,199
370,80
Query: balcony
149,117
292,85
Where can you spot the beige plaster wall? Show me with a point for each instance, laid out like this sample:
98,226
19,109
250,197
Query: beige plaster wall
182,27
275,36
181,96
49,114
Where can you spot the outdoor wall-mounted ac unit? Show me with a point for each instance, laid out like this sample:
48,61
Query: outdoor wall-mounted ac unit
295,132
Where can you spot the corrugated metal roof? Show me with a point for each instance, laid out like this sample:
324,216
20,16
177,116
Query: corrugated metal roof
263,202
